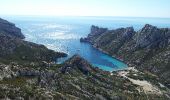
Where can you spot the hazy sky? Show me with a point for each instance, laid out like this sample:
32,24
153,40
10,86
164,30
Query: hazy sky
136,8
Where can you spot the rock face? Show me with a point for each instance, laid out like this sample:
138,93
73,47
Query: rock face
10,29
95,31
77,63
128,33
148,49
152,37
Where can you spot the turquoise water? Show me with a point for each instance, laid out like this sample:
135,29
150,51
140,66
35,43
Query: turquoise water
63,33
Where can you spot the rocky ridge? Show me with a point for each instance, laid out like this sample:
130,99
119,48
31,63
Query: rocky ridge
10,29
146,49
12,46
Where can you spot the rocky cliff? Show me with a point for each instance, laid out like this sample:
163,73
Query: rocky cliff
10,29
147,49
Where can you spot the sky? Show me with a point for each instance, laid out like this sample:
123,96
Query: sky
124,8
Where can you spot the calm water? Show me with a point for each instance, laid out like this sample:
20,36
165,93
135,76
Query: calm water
63,33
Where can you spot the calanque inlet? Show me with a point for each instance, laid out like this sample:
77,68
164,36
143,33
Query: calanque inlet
28,70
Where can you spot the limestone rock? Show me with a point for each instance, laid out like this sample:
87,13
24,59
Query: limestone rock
10,29
76,63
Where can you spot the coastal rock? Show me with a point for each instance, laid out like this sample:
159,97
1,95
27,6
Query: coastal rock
12,46
147,49
95,31
112,40
10,29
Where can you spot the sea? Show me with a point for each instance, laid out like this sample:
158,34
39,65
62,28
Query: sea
63,33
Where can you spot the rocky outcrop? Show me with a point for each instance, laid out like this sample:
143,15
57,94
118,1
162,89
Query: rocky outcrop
152,37
95,31
5,71
147,49
77,63
10,29
128,33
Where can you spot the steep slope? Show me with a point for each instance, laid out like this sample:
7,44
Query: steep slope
10,29
147,49
75,79
12,47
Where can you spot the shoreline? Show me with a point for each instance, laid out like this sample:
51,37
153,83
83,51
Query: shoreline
121,60
106,53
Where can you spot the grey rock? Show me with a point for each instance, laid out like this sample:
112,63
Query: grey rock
95,31
10,29
151,37
76,63
129,32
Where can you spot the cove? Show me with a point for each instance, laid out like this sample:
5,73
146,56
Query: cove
63,34
92,55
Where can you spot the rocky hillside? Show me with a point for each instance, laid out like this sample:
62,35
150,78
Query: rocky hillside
147,49
14,48
10,29
74,80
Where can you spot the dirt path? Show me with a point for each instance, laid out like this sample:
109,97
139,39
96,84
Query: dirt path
144,85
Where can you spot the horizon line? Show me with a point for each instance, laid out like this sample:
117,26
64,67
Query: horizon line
7,15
